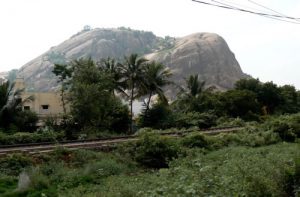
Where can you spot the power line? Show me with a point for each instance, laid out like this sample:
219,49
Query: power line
245,6
260,5
267,16
274,16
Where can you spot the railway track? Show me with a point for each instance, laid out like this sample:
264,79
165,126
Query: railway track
35,148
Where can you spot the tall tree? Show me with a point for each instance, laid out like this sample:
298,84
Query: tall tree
251,84
113,68
156,76
92,104
132,74
290,99
64,74
270,97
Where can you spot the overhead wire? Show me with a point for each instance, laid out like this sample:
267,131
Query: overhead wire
270,9
267,16
240,5
230,7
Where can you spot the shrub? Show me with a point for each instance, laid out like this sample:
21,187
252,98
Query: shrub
243,138
159,116
25,137
154,151
287,126
284,131
13,164
230,122
296,177
26,120
190,119
7,183
195,140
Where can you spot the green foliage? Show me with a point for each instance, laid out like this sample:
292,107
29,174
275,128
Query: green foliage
155,77
93,105
296,177
191,119
241,103
7,183
270,96
288,126
274,99
188,97
237,171
253,85
195,140
290,103
14,164
211,170
154,151
24,137
132,75
159,116
26,120
230,122
246,138
11,109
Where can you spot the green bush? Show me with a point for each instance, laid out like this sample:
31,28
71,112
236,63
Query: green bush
296,177
191,119
13,164
26,120
284,131
7,183
234,171
230,122
24,137
154,151
195,140
159,116
287,126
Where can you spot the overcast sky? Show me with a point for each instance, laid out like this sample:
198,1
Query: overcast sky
265,48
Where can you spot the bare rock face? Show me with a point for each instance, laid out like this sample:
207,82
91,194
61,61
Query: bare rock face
205,54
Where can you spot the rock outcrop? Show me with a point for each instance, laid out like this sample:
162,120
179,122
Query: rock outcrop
206,54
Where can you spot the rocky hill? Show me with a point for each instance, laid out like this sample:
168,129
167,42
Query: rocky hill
204,53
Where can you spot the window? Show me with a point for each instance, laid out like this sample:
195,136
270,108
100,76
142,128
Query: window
26,108
45,107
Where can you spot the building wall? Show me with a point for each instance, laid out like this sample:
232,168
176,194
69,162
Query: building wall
43,103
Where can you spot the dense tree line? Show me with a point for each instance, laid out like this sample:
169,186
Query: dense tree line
100,96
97,91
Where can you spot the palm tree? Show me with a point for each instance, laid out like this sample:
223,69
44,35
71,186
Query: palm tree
112,67
156,76
194,86
10,102
132,70
193,90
